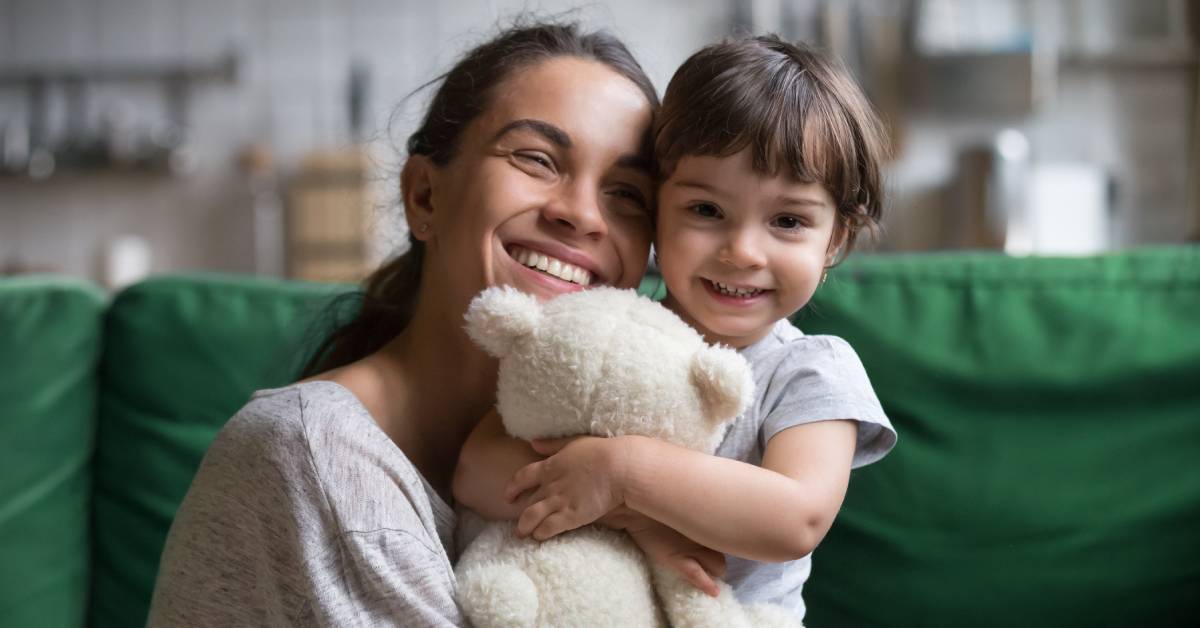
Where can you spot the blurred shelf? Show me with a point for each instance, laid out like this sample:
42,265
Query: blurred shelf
1131,59
223,69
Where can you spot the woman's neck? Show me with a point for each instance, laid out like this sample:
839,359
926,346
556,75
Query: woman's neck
427,395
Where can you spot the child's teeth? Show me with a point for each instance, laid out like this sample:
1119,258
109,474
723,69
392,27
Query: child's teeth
735,292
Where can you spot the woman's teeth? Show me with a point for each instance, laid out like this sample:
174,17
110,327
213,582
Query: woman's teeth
551,266
741,293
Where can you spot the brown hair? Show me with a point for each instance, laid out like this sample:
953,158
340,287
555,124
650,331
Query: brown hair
388,297
793,106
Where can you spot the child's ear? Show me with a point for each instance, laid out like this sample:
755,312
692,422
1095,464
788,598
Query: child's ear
841,231
417,182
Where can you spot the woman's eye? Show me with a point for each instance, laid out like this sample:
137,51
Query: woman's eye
541,160
633,195
706,210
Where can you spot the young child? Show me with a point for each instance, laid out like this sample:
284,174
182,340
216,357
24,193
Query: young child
769,156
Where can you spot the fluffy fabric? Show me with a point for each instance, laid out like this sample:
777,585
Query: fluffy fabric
605,362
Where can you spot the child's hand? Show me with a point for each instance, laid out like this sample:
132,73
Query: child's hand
579,483
667,547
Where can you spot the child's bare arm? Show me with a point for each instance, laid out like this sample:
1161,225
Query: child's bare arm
776,512
488,459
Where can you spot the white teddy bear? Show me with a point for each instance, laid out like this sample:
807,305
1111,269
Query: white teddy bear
605,362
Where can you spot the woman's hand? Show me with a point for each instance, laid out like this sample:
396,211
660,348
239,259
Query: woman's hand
580,482
667,547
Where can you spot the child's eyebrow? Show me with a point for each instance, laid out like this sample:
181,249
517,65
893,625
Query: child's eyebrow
711,189
541,127
799,200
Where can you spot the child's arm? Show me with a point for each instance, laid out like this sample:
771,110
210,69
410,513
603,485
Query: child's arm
488,459
776,512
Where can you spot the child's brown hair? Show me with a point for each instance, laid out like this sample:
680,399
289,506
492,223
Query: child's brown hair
792,106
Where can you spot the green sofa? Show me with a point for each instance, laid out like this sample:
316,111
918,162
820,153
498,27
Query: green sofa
1048,470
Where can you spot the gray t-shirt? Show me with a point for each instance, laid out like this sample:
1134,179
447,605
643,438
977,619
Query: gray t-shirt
305,513
799,379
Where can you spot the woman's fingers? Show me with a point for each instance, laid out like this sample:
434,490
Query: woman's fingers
712,562
527,477
691,571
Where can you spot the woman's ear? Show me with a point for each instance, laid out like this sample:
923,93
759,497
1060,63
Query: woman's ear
417,180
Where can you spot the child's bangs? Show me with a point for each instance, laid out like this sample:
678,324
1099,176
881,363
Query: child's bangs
787,124
803,134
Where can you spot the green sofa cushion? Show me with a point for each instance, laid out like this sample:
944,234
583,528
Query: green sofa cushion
49,345
1049,420
182,355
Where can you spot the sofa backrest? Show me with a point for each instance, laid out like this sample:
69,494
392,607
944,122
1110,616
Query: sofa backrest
181,355
50,339
1049,420
1048,410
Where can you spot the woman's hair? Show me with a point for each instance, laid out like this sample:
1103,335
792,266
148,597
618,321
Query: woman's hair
389,294
792,106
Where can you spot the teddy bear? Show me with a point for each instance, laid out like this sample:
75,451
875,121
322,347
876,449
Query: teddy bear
604,362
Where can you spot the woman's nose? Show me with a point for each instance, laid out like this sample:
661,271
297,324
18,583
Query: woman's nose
742,250
578,208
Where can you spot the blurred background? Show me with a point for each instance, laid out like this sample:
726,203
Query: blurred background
263,136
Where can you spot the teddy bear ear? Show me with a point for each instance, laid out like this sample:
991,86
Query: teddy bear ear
499,316
724,382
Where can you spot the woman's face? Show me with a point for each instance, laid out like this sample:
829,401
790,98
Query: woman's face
549,191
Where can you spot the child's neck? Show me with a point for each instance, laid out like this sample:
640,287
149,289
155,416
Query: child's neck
711,337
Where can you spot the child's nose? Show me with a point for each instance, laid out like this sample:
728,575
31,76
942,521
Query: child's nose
742,250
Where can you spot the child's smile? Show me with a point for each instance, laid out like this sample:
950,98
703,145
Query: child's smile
733,293
740,250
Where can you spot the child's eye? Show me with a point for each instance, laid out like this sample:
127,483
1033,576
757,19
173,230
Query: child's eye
706,210
790,223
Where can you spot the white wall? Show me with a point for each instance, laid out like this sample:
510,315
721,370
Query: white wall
291,96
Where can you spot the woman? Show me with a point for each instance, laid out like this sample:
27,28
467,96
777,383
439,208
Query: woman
325,502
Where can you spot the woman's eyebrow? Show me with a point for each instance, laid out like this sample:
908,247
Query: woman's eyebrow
541,127
635,162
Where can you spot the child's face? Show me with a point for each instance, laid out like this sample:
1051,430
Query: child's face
740,250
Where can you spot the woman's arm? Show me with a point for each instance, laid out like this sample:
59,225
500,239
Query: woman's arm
776,512
488,459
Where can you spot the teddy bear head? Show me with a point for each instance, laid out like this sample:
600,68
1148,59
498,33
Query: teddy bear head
606,362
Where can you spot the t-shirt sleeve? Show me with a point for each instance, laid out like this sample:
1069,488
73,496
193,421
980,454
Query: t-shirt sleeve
258,541
821,378
382,578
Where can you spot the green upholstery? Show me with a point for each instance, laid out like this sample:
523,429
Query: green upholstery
50,339
1049,420
1048,409
182,355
